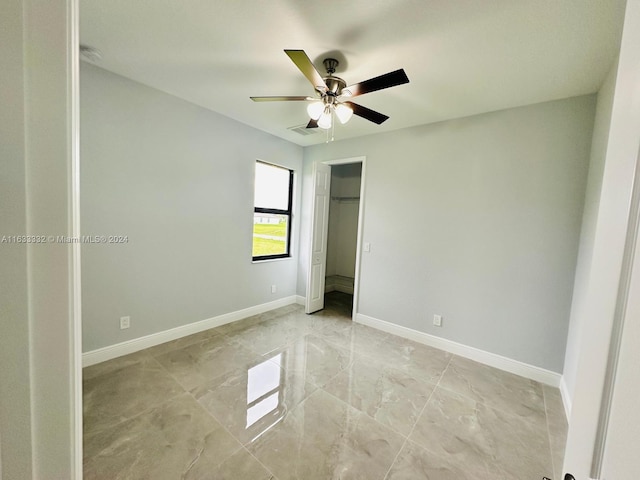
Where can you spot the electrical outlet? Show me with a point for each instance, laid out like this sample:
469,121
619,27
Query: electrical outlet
274,289
437,320
125,322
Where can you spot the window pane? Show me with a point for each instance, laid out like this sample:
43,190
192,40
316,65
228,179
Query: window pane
270,234
272,187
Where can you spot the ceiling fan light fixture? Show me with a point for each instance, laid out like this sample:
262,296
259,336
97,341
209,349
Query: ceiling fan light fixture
331,90
325,119
343,112
315,109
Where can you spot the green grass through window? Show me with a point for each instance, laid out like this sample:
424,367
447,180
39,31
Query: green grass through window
278,230
269,246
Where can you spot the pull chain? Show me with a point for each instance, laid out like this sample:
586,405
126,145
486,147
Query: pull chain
333,124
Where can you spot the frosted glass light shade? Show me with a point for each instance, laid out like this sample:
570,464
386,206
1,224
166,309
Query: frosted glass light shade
315,109
325,119
344,113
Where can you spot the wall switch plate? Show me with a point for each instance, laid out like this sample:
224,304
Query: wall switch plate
274,289
367,247
437,320
125,322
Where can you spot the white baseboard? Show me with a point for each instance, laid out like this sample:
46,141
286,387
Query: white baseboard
300,300
566,397
131,346
338,283
338,288
498,361
344,289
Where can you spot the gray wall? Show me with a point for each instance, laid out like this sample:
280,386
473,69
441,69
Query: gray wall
476,219
588,230
178,181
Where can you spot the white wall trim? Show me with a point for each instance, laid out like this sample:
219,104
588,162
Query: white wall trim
498,361
137,344
343,289
566,397
300,300
75,287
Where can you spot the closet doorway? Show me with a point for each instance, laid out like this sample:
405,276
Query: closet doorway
335,249
342,236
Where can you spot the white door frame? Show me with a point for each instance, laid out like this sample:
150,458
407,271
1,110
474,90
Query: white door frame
602,325
356,283
76,285
625,294
64,421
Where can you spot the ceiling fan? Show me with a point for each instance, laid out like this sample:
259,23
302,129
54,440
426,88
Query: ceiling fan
331,92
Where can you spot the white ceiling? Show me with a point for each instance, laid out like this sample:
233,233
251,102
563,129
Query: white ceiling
462,57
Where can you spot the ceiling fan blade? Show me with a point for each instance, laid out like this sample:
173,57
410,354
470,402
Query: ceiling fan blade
312,124
387,80
303,62
367,113
281,99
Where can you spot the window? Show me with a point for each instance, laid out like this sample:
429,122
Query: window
272,212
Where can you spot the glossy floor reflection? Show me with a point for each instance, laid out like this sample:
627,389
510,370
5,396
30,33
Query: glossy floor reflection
284,395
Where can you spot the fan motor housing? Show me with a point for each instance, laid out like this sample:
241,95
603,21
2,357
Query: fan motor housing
334,85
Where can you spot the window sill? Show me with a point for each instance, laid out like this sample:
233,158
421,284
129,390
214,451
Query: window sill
267,260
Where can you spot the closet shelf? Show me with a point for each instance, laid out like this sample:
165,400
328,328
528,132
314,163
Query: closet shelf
345,198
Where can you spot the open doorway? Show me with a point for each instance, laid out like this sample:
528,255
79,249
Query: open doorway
338,192
342,237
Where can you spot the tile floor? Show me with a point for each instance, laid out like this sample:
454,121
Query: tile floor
284,395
